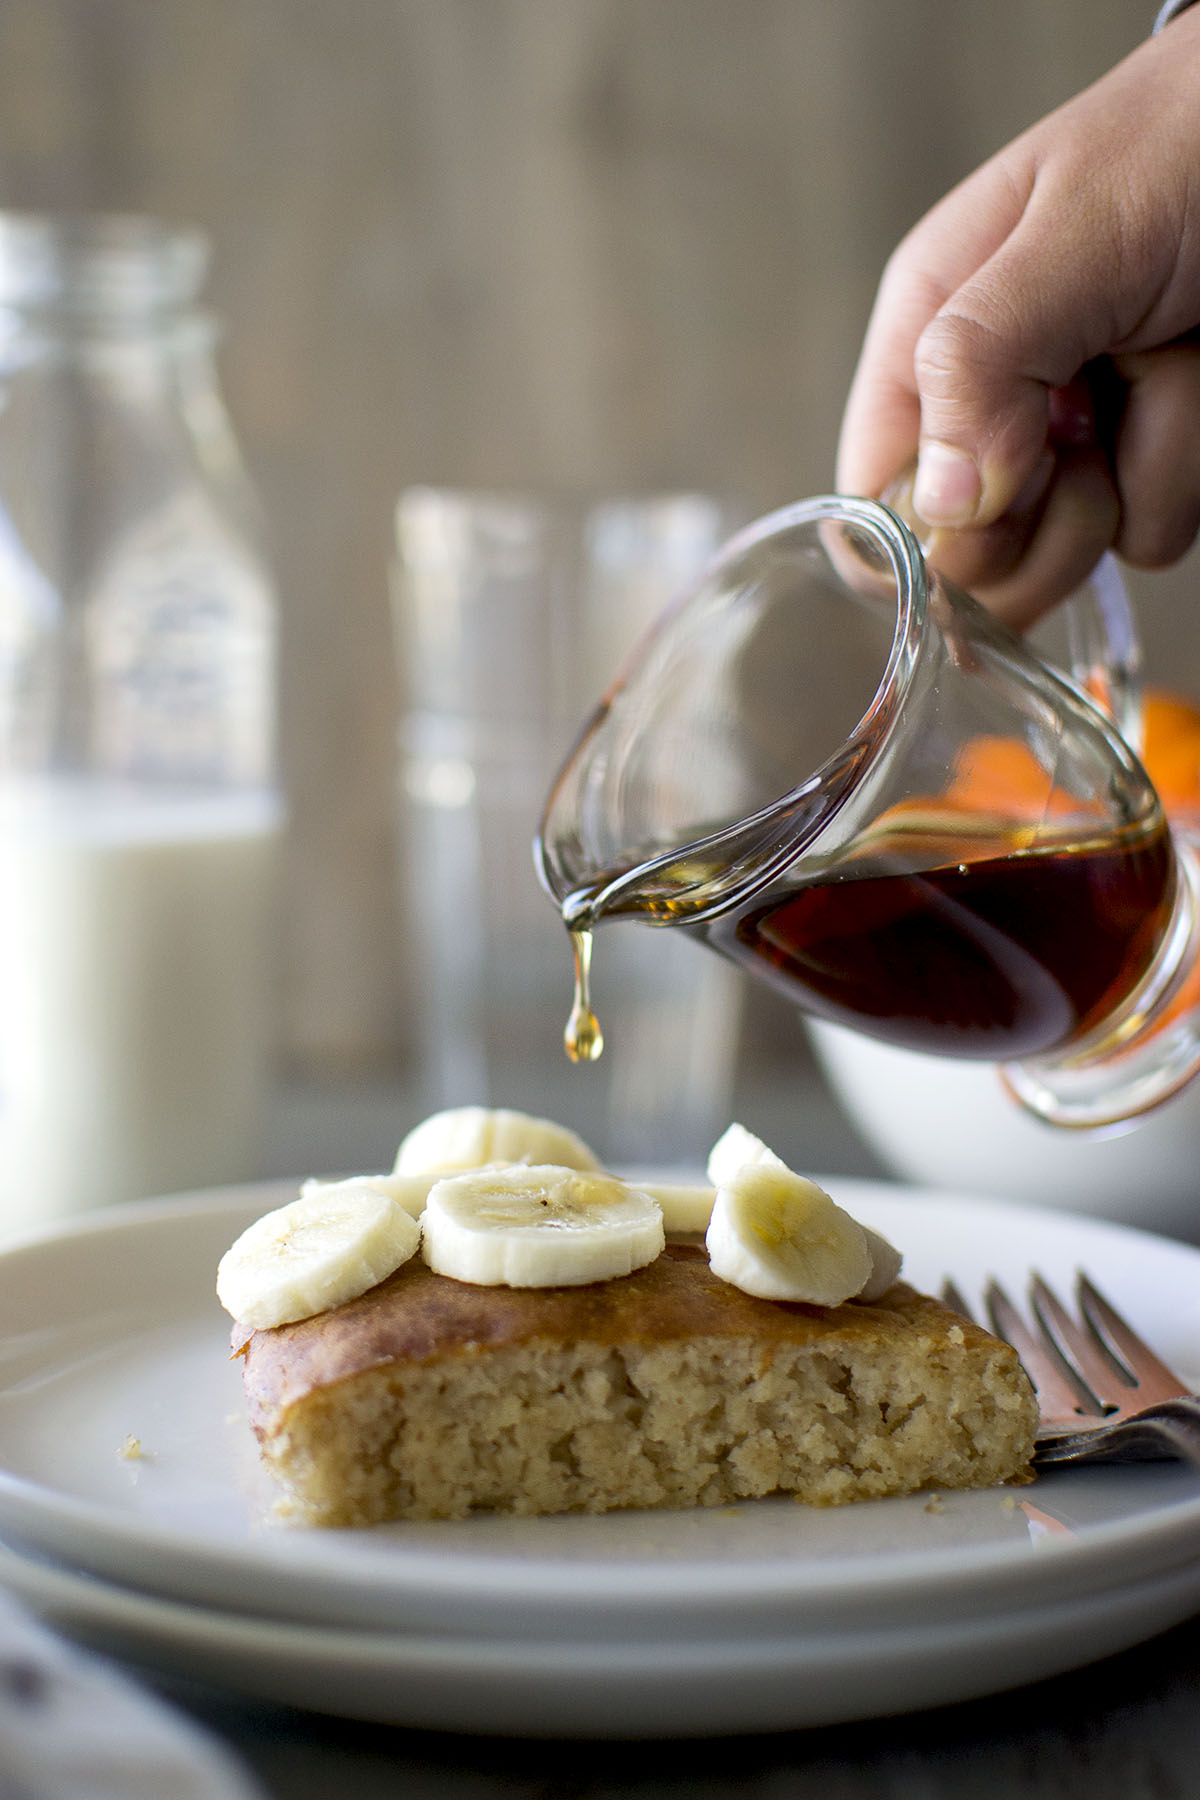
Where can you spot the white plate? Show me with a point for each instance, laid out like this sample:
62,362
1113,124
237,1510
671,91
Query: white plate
563,1688
111,1331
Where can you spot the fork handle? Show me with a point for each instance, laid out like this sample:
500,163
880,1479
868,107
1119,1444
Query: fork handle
1184,1409
1171,1430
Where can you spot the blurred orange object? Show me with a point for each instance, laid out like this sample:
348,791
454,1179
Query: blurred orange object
1000,775
1171,750
1171,755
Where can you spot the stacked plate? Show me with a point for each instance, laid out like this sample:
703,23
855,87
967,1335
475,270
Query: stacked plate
134,1515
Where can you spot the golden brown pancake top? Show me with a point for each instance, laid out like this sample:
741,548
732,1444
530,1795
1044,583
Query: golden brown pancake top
420,1317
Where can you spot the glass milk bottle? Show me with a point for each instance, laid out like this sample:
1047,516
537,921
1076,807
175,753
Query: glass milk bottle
139,811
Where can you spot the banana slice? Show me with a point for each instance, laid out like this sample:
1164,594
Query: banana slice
686,1206
317,1252
780,1236
469,1137
408,1191
538,1225
886,1263
738,1148
734,1149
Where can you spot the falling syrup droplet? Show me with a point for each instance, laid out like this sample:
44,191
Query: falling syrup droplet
583,1037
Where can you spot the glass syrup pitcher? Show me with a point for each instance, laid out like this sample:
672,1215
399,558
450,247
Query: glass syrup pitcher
838,770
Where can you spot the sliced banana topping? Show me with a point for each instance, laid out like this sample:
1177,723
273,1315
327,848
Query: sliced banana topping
539,1225
780,1236
733,1150
737,1149
327,1247
498,1197
468,1137
686,1206
886,1263
687,1209
408,1191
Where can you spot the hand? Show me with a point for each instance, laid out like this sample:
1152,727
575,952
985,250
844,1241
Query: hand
1034,345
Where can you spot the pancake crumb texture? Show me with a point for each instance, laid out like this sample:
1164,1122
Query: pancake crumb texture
427,1399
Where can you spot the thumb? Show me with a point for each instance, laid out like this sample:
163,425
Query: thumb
1001,358
985,418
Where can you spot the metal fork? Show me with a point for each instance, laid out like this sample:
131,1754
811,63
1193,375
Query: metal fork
1103,1395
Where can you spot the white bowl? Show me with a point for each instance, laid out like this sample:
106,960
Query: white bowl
949,1124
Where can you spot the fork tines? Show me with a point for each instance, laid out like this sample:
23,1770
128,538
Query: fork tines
1088,1370
1154,1379
1065,1398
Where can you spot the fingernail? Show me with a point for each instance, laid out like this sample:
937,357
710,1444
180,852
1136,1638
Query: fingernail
947,489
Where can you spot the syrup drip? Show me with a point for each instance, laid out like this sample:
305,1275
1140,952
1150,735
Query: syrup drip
583,1037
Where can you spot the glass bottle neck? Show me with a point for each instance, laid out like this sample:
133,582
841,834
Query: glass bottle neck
103,261
107,276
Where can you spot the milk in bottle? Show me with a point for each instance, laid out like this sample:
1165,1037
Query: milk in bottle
139,812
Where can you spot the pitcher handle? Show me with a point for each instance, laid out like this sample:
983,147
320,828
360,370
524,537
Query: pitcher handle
1104,649
1104,656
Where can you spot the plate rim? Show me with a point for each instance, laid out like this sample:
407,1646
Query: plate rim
484,1685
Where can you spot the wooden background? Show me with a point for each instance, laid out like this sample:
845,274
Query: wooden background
606,243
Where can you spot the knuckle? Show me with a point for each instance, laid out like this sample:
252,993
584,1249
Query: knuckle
955,348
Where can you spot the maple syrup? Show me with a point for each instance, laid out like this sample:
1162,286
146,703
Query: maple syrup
1005,954
999,957
583,1038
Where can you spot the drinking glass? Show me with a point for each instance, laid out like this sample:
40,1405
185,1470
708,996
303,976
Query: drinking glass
509,610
